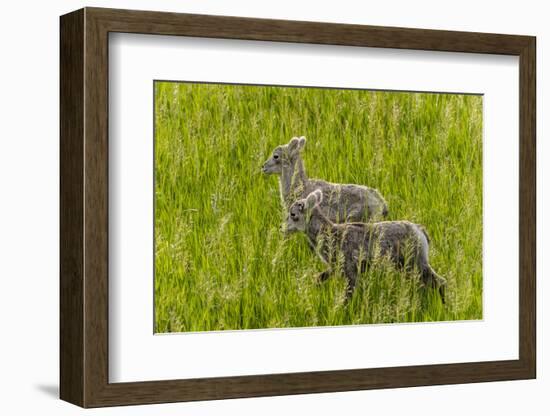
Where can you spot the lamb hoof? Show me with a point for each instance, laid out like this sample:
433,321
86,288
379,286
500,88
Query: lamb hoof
321,277
347,299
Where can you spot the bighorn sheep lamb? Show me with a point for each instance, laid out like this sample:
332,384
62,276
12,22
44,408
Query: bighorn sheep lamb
341,202
360,242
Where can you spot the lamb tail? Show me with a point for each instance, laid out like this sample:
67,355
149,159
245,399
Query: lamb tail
385,210
425,233
440,283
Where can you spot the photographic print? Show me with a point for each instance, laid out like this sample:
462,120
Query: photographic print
285,207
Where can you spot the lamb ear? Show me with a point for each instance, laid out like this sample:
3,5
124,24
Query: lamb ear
318,196
314,198
293,144
301,142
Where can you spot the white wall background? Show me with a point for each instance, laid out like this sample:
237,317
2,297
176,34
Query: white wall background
29,159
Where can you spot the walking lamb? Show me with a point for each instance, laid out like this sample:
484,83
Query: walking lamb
342,202
360,242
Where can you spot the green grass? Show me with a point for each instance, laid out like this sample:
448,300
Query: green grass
221,261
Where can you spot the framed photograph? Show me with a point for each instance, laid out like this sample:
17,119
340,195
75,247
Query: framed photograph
254,207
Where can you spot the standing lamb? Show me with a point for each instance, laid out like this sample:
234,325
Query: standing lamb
359,243
342,202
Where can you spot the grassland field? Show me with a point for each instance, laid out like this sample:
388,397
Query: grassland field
221,261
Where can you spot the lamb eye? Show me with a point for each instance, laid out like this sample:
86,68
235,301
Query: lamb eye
275,157
301,207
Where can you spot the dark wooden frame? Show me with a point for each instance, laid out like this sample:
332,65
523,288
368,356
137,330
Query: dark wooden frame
84,207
